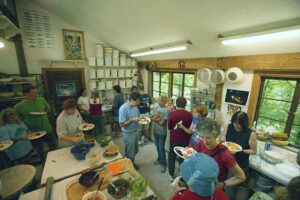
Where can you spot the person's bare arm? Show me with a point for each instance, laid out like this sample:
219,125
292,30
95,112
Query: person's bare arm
128,122
187,130
222,137
71,139
252,144
238,177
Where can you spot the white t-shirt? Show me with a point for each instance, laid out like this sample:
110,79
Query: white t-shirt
84,103
68,125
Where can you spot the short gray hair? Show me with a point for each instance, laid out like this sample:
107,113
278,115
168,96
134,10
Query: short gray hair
208,126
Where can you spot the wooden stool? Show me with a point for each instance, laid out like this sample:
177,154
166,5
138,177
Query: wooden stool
16,179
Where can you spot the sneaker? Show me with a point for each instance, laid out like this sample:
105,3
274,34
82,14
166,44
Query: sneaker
156,162
171,178
162,168
136,167
141,143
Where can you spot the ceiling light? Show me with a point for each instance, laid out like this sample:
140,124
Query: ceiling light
1,44
163,49
275,34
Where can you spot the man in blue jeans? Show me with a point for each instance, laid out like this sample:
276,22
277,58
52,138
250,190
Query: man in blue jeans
128,120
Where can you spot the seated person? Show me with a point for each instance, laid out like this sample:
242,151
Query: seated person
209,145
13,129
200,173
67,124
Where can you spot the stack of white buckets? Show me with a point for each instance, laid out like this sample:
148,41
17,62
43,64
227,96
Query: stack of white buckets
218,76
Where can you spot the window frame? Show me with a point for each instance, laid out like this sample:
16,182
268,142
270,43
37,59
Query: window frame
294,101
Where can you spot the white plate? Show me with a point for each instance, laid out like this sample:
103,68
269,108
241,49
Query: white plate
288,171
38,113
227,144
5,144
274,155
147,120
36,135
185,151
90,127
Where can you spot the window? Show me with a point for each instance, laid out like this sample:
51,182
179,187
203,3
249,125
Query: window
173,84
279,107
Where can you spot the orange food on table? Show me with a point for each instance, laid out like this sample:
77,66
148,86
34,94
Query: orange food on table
120,166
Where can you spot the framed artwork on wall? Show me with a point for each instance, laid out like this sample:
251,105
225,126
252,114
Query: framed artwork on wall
73,45
236,96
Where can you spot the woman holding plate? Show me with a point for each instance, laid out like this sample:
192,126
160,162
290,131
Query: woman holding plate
68,123
238,131
210,130
16,131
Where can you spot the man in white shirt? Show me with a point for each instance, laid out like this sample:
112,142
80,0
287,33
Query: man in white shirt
83,105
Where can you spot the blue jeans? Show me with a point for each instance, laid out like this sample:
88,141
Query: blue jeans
131,144
172,156
98,121
160,146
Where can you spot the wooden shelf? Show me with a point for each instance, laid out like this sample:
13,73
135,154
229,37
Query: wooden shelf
112,89
11,99
70,61
114,67
127,77
17,83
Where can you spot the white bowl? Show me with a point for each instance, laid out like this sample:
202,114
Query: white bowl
234,75
92,194
204,75
7,94
218,76
92,158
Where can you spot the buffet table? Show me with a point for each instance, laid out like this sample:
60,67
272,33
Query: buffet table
61,163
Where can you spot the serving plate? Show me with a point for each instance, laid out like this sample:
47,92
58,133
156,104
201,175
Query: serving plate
233,147
184,152
86,127
145,120
36,135
38,113
5,144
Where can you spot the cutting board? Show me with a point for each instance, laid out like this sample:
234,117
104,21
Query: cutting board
75,190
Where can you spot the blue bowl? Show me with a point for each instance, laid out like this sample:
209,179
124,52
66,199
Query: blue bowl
80,151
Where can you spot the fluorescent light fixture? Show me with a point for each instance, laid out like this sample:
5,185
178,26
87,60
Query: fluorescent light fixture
275,34
1,45
165,49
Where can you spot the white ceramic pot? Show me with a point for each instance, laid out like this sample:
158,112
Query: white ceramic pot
218,76
234,75
93,194
204,75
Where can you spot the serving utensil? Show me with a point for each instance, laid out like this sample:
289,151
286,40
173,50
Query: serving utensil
100,183
116,189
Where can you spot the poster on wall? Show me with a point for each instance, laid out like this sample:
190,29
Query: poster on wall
236,96
73,45
37,30
65,89
231,109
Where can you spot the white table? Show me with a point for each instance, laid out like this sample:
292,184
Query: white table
62,163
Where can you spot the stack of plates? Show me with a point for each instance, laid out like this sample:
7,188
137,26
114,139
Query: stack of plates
101,85
122,83
92,85
109,85
114,73
128,62
133,62
134,71
116,57
129,83
100,73
100,61
128,73
107,73
99,51
108,56
123,59
92,73
92,61
121,72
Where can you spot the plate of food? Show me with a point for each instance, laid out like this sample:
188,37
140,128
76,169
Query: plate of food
36,135
145,120
5,144
184,152
86,127
111,151
233,147
38,113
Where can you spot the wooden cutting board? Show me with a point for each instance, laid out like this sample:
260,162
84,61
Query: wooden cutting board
75,190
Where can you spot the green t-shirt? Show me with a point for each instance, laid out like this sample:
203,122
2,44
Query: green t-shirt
34,122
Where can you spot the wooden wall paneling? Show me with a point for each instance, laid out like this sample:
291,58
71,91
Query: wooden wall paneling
218,96
287,61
